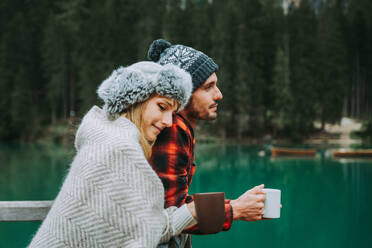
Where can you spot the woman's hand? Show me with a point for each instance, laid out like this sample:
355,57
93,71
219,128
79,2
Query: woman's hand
191,207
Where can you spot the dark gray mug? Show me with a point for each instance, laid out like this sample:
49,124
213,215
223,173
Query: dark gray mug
210,211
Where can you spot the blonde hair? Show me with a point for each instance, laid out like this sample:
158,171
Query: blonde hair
135,114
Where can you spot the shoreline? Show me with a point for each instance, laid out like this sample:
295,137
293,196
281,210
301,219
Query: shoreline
339,135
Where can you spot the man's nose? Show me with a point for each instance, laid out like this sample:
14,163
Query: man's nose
167,119
218,95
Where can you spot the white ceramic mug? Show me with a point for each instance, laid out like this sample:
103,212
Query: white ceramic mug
272,203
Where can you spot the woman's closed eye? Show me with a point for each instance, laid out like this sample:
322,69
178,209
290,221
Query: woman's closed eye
162,107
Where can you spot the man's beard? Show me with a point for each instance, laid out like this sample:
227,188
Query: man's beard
194,114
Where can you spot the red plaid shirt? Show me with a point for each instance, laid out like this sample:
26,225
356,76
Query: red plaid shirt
173,160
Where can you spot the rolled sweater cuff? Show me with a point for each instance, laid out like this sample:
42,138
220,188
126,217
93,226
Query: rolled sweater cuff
181,218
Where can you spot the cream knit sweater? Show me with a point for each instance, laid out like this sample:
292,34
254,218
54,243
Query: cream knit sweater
111,197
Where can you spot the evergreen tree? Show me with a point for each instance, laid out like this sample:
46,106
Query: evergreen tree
56,58
282,87
22,81
359,40
330,80
285,71
224,52
302,28
107,40
150,24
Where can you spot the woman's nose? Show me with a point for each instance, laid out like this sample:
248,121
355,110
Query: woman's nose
167,119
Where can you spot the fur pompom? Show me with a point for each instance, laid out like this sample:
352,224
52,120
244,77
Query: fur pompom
156,48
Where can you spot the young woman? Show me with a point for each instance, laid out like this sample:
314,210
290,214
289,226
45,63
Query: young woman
111,197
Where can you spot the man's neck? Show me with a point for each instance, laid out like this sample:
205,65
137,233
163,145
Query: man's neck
192,121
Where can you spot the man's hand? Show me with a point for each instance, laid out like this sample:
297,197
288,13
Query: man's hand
249,206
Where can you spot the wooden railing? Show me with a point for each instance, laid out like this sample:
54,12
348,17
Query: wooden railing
24,210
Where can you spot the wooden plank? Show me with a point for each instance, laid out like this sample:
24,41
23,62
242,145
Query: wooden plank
24,210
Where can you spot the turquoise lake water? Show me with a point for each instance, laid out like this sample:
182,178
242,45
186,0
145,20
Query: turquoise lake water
326,202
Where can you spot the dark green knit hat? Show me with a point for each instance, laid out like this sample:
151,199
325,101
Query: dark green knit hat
199,65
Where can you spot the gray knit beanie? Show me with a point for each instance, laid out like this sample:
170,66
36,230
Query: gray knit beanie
134,84
199,65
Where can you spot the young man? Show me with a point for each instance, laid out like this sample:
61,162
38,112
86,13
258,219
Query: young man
173,153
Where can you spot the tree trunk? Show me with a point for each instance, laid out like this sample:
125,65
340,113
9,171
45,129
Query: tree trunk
72,92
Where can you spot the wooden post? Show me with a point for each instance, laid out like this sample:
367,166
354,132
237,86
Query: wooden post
24,210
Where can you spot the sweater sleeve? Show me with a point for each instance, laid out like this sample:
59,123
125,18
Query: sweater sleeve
177,219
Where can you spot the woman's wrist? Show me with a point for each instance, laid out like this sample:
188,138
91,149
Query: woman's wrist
191,208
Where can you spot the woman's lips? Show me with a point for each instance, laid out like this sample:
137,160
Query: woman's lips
157,128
